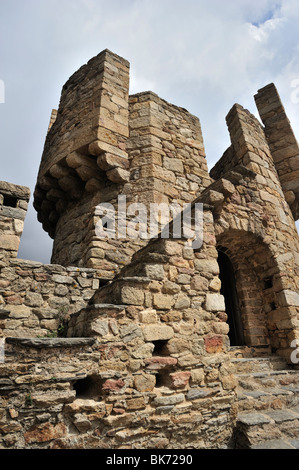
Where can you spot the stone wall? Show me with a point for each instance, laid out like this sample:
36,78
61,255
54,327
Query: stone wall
152,372
282,142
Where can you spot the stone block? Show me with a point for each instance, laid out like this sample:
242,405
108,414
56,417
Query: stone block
9,242
170,287
144,382
45,432
99,327
130,332
132,296
111,385
182,302
163,301
154,271
118,175
288,297
206,266
157,332
176,346
173,164
180,379
213,344
169,400
148,316
107,161
33,299
199,283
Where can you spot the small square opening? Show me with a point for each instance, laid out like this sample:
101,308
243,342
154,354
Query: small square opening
89,388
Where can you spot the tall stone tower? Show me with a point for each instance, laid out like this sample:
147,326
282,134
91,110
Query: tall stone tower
102,144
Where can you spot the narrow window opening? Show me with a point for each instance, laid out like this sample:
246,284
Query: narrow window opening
159,380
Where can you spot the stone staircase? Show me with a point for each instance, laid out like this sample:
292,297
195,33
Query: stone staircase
268,403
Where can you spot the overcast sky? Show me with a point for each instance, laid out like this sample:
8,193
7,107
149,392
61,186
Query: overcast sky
203,55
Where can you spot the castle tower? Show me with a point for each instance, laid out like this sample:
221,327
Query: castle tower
102,144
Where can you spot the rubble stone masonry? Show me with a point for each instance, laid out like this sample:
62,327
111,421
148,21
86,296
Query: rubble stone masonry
138,343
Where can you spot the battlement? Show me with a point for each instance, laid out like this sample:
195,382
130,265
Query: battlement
103,143
282,142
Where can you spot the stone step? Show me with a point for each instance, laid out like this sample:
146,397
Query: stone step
250,351
278,444
260,400
93,320
123,290
261,364
267,429
268,380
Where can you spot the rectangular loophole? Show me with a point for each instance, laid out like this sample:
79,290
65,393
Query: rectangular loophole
159,348
268,283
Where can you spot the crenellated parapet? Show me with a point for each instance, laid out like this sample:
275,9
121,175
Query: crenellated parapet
89,130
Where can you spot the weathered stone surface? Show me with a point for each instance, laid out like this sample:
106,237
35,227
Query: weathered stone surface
160,362
118,175
132,295
169,400
51,342
163,301
213,344
113,385
180,379
215,303
144,382
9,242
157,370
